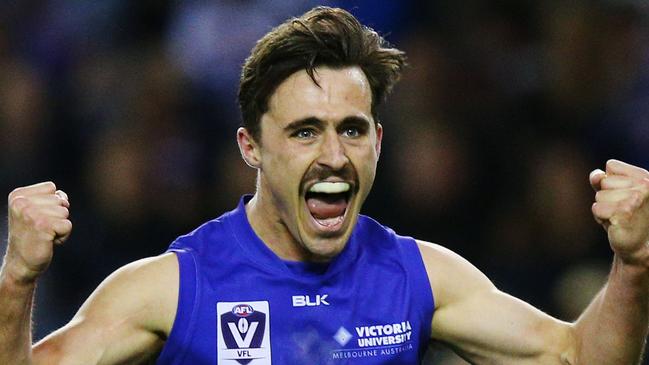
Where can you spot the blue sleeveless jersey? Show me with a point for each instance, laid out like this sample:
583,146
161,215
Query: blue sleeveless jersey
240,304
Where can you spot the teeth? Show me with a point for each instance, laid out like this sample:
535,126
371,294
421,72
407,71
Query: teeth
328,222
330,187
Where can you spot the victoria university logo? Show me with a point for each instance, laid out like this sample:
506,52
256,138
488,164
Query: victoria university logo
243,333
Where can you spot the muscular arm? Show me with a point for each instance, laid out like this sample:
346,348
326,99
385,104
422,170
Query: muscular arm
487,326
125,320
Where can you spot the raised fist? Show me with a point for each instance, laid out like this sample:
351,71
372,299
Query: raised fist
622,207
38,219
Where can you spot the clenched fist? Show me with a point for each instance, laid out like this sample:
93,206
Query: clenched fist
38,219
622,207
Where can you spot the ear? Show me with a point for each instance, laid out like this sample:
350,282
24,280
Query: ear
249,148
379,137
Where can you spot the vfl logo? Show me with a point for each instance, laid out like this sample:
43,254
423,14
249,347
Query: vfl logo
243,336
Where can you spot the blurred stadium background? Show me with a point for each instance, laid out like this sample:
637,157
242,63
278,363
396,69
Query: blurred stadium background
507,105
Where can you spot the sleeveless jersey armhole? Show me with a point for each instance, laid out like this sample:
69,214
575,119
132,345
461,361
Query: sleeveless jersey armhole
420,283
174,350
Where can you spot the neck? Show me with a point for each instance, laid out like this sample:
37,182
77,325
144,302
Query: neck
268,225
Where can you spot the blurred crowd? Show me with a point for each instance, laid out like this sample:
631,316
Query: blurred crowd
130,107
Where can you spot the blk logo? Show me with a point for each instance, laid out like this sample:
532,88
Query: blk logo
307,301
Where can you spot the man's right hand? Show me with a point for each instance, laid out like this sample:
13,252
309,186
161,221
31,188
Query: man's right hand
38,219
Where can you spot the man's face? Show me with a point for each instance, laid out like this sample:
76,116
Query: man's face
318,153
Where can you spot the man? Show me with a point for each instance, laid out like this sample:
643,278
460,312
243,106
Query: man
295,275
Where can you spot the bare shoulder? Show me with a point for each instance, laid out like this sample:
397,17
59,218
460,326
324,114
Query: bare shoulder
126,319
451,276
483,324
149,285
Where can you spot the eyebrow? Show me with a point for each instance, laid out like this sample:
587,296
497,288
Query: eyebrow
319,124
359,121
306,122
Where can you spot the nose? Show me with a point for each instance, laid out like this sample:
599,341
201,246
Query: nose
332,151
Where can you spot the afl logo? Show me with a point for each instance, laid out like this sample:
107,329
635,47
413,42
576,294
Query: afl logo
242,310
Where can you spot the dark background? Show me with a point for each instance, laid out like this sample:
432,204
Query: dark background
129,106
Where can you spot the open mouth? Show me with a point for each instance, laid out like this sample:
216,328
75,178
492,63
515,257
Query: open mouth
327,202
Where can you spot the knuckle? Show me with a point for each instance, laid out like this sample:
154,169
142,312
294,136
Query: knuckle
609,165
628,206
50,185
14,193
595,208
63,201
639,198
63,227
17,204
30,213
640,192
41,223
600,210
62,194
644,184
644,171
17,190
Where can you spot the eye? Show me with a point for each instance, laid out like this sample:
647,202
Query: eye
351,132
305,133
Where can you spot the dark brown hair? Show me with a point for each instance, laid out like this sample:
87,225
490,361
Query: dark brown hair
321,37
